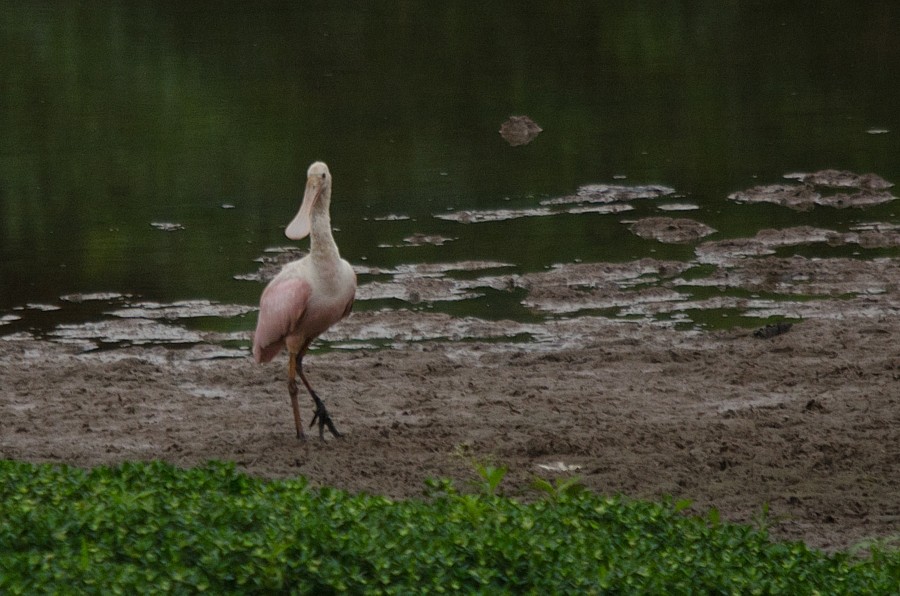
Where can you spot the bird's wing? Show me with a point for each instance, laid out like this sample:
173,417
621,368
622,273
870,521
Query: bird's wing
280,308
349,306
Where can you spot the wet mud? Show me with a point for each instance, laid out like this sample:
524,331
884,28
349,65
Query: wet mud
805,422
609,379
817,188
671,230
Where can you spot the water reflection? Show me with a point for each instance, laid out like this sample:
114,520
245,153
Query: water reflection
119,116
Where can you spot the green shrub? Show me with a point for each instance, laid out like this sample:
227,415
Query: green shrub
149,527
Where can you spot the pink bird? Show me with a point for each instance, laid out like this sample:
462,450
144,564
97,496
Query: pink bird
307,296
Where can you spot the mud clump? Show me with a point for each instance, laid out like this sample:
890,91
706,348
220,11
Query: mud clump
800,198
670,230
842,179
766,242
519,130
816,189
611,193
774,330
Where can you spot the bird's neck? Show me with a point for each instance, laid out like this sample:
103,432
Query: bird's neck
322,246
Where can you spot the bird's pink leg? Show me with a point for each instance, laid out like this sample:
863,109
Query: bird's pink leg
321,414
292,389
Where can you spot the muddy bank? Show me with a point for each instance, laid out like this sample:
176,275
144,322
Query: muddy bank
808,421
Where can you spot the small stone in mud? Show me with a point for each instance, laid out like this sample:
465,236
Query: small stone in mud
519,130
770,331
814,404
670,230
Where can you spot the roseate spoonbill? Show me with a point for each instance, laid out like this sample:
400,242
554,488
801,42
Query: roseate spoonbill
307,296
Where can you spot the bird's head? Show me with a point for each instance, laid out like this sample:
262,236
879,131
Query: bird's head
317,193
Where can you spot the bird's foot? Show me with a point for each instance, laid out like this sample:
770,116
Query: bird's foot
323,418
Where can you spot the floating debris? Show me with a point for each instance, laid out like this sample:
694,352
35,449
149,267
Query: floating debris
519,130
441,268
572,300
841,179
871,191
266,272
611,199
40,307
392,217
805,197
800,198
20,336
283,249
770,331
7,319
272,262
671,231
877,131
799,276
417,289
870,235
468,217
611,193
571,288
167,226
181,310
247,277
603,209
678,207
130,331
859,200
96,296
876,226
425,282
765,242
227,206
419,239
723,252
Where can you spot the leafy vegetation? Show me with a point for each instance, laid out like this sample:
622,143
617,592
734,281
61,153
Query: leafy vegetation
150,527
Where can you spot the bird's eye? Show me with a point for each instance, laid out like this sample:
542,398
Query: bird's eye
323,175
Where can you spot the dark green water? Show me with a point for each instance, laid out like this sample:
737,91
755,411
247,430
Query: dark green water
117,115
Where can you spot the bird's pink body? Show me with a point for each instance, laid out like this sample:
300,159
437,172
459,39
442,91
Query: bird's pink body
308,295
299,305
